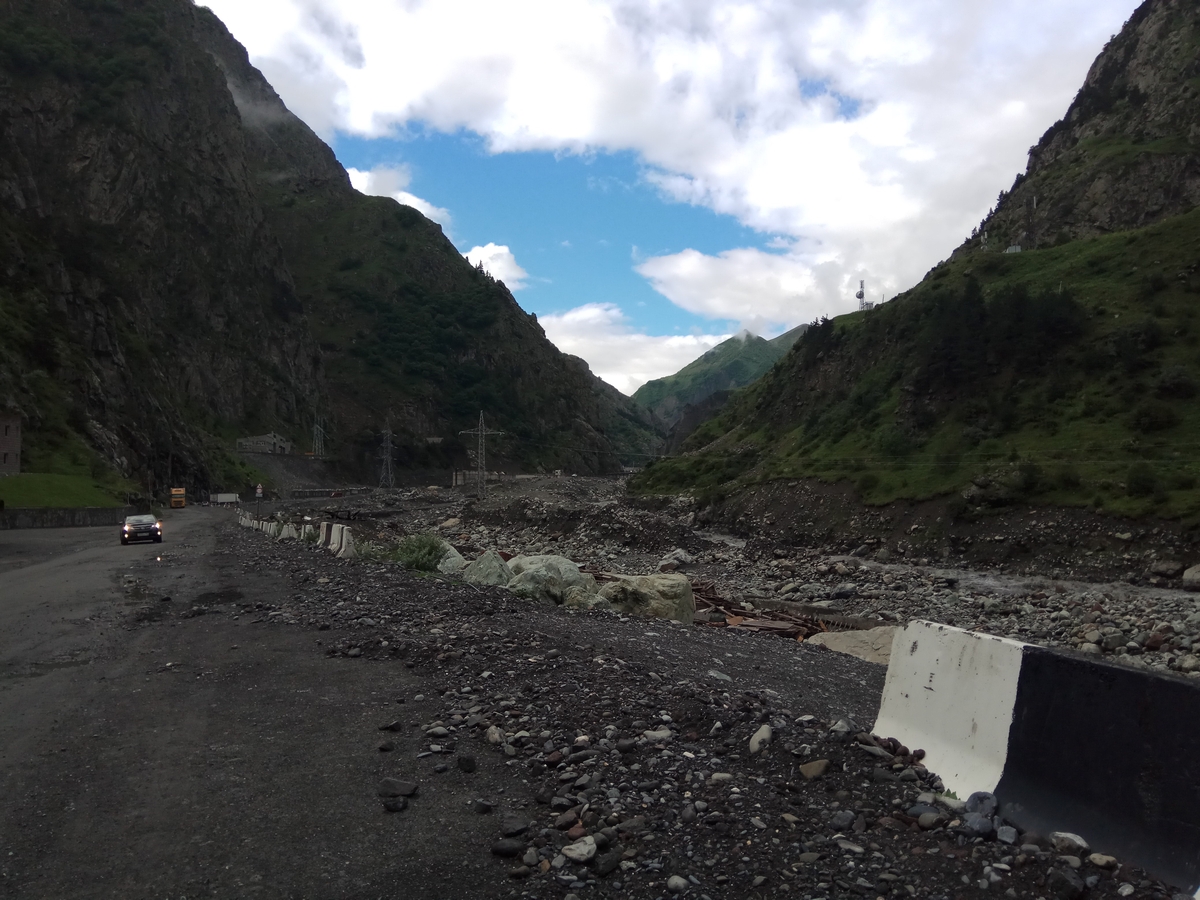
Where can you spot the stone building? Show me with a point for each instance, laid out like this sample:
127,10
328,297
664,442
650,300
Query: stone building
10,444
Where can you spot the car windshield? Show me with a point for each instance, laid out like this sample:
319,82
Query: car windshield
140,520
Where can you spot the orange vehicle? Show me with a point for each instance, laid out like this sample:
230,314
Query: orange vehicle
178,498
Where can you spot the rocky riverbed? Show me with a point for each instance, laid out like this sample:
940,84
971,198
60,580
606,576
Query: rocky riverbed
646,758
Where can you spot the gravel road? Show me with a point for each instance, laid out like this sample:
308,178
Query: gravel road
224,715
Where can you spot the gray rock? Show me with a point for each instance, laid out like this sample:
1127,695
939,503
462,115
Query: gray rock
760,739
490,568
662,596
392,787
1006,834
676,884
547,578
841,820
452,561
1066,842
982,802
395,804
1064,884
978,824
1191,579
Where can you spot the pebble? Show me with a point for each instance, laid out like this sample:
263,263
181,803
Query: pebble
581,851
760,739
392,787
677,884
1066,842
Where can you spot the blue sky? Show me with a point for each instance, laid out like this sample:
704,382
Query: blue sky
577,224
763,156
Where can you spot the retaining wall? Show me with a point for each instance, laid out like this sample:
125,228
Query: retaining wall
79,517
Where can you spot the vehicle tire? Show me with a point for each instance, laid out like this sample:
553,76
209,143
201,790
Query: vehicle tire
124,542
158,540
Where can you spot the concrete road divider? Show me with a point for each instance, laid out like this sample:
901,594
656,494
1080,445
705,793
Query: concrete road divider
346,550
325,536
1066,742
335,538
288,532
308,532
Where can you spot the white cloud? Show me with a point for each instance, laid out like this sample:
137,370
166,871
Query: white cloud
390,181
601,334
871,135
498,260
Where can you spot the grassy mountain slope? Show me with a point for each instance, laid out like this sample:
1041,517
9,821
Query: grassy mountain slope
183,261
1063,374
732,364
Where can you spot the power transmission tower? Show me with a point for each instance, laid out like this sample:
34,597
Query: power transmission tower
482,432
318,440
387,478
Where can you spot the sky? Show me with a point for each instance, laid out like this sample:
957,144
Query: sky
650,176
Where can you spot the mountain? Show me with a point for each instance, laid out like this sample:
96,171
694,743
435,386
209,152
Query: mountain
731,364
1064,373
184,261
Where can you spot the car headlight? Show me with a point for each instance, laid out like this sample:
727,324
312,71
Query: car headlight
126,528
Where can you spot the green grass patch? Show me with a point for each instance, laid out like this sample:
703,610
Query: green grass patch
421,552
37,490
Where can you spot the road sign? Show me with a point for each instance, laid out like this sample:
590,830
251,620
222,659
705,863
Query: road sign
258,492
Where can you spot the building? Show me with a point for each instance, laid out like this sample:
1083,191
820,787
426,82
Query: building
264,443
10,444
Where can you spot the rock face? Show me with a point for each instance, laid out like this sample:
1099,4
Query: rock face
182,255
1124,155
662,596
490,568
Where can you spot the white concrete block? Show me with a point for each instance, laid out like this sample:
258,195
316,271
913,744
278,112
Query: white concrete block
951,693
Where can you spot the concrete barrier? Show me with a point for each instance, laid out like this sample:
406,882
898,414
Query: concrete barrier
346,550
325,535
951,693
308,532
1066,742
288,532
335,538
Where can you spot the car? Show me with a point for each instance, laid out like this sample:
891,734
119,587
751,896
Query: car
141,528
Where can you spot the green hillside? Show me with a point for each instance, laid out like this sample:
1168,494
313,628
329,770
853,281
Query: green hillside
732,364
1065,373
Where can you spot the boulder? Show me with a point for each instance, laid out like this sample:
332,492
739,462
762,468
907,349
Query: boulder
452,561
490,568
578,598
1191,579
662,596
676,559
874,645
548,579
1167,568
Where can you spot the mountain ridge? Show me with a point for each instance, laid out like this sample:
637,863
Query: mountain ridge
169,280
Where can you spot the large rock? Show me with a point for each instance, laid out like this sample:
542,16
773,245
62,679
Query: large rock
548,578
490,568
873,645
659,596
452,561
1191,579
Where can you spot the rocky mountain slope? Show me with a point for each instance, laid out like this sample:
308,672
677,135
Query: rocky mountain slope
1062,374
732,364
184,261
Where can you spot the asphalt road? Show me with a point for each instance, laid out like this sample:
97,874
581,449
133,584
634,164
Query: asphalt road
148,753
